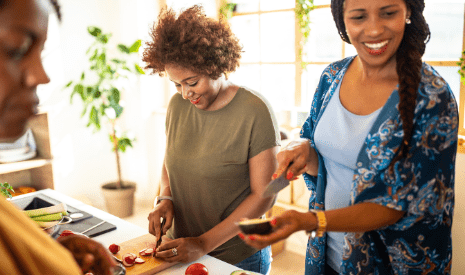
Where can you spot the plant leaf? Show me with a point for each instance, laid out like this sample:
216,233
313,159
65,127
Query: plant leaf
82,76
135,46
115,96
79,89
139,69
69,84
94,31
94,118
123,48
103,38
123,143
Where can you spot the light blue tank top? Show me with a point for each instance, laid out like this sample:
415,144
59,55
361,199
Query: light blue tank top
339,136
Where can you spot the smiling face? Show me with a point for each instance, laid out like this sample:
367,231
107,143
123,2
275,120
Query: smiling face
23,31
375,28
200,90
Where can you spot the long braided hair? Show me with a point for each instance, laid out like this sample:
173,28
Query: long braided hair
408,66
54,3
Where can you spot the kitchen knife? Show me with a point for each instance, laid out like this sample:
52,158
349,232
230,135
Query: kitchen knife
275,186
161,233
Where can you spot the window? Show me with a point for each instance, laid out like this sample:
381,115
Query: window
271,65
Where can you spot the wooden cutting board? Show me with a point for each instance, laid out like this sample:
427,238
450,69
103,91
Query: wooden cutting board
152,265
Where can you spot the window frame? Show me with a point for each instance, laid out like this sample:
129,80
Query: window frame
300,64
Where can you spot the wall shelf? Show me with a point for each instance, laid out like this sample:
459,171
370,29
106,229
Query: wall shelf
36,172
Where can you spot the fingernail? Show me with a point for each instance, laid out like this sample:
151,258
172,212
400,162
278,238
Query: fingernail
274,176
241,235
273,222
252,238
290,175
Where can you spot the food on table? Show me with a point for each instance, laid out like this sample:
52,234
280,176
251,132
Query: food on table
139,260
59,208
256,226
114,248
129,259
196,269
48,217
146,252
243,272
21,190
66,233
69,232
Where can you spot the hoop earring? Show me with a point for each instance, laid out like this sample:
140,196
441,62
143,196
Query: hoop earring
408,21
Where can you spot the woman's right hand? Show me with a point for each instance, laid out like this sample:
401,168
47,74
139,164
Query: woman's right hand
297,158
165,210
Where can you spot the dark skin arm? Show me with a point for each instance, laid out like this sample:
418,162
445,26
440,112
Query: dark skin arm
361,217
299,157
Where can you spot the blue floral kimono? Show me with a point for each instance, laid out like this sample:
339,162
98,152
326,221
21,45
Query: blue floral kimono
422,185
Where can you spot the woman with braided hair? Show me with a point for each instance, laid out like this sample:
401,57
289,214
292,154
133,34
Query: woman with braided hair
377,151
24,247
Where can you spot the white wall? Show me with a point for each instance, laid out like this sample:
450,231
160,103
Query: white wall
83,160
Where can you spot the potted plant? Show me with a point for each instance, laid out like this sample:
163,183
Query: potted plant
99,90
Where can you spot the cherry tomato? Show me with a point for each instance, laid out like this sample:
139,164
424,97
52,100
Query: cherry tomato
66,233
114,248
196,269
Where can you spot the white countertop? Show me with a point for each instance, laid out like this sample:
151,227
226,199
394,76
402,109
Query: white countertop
126,231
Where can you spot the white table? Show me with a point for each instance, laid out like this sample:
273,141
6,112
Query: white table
126,231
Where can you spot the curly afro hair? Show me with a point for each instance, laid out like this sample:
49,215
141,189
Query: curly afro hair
193,41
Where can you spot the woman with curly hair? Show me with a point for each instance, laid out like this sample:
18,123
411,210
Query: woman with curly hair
377,151
221,143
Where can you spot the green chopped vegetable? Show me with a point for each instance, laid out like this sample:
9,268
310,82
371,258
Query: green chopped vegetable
59,208
47,218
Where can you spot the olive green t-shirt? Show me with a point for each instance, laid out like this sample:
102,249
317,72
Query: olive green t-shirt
207,157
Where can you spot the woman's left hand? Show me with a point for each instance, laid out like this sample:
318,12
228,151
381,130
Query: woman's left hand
188,250
283,226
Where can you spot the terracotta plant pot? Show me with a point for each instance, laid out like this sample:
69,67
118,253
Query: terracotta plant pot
119,202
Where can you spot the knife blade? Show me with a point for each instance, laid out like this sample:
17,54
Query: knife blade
275,186
161,232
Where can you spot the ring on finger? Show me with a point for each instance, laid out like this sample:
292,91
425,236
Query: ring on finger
174,251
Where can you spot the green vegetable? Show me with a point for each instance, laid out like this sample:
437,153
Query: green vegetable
59,208
50,217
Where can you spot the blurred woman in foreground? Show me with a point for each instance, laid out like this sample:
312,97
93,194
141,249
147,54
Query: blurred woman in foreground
24,247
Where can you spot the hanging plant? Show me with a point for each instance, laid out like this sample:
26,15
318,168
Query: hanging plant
461,71
302,13
227,9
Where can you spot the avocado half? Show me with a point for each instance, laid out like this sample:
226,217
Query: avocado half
255,226
244,272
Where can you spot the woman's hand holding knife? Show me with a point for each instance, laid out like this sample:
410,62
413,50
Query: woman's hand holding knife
295,159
